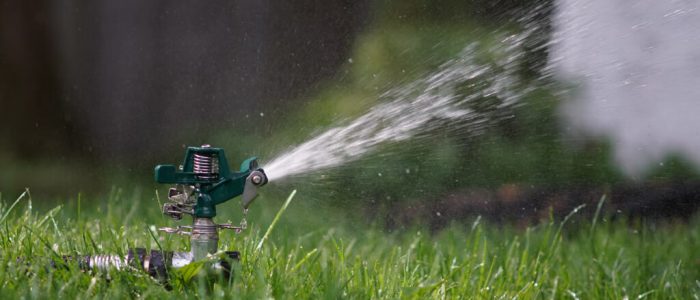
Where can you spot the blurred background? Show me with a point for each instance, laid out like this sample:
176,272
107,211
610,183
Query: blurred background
94,94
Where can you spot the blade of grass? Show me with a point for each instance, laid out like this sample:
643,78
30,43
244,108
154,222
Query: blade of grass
153,236
9,210
303,260
274,221
597,213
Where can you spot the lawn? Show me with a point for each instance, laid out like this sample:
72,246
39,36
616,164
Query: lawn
317,251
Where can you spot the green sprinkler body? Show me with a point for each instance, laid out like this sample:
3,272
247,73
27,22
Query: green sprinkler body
206,169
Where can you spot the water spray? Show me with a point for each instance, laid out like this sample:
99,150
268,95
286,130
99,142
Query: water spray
202,182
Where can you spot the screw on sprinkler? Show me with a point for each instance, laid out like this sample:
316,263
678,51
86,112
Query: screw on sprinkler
202,182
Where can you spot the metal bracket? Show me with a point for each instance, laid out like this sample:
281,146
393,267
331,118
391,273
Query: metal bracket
183,230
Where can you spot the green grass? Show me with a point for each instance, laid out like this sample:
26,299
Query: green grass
315,251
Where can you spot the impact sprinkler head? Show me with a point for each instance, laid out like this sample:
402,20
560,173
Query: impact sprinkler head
203,182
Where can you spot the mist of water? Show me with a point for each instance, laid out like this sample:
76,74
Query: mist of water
638,66
437,99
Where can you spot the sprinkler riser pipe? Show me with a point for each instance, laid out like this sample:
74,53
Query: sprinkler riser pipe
205,238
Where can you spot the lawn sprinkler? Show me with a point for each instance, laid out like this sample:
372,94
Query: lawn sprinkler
202,182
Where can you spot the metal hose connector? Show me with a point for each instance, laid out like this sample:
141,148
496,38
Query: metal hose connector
106,262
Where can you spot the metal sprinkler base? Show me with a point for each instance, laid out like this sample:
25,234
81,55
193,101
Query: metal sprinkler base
156,263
